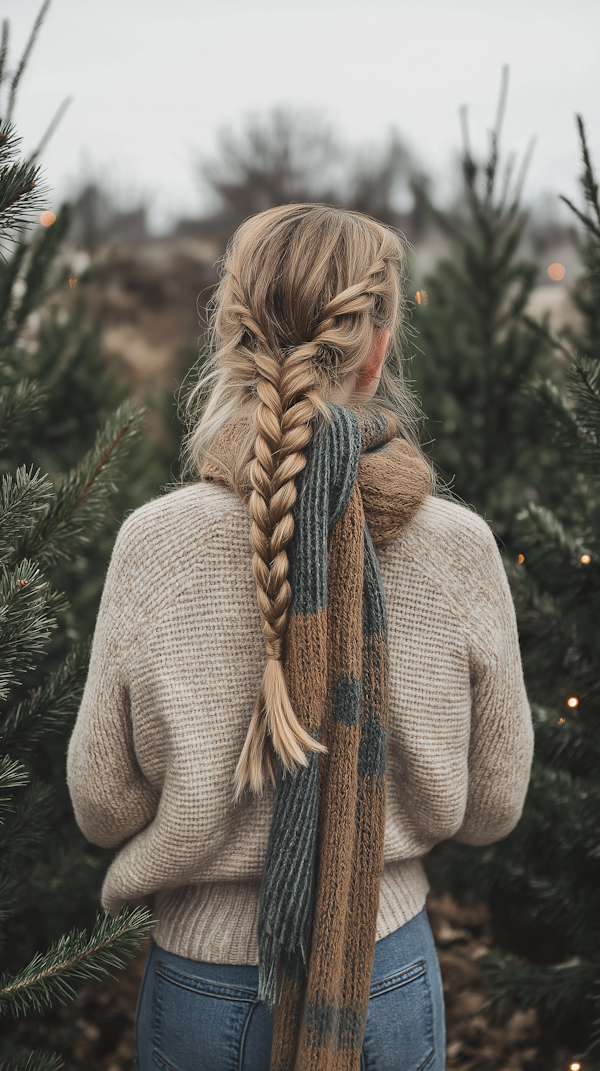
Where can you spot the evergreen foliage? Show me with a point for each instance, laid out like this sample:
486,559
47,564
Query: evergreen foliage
586,296
17,178
477,351
42,522
543,881
46,335
56,391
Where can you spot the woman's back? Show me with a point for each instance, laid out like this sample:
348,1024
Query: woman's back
255,637
176,665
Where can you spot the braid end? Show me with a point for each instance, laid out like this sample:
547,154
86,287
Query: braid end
274,731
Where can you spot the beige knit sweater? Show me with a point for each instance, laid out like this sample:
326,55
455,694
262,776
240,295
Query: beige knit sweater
177,659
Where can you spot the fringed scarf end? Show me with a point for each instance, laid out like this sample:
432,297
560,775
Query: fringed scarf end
275,969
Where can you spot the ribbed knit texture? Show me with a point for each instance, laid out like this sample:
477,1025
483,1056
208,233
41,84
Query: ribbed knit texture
320,888
177,660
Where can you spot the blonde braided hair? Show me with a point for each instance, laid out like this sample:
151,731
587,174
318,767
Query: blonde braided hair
304,288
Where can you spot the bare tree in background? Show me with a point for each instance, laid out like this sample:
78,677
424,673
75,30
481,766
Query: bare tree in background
287,155
381,181
272,159
98,219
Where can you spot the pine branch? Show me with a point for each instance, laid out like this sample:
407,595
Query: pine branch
554,340
590,187
50,977
25,623
588,378
550,529
586,220
62,876
502,99
16,406
25,57
12,775
573,418
553,991
8,900
79,505
51,128
588,178
22,498
25,825
11,366
42,253
4,50
21,193
50,708
522,174
34,1061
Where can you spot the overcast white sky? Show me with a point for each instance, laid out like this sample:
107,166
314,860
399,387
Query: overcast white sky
152,80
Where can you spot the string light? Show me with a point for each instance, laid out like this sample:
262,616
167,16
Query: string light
73,281
421,297
556,272
561,721
573,701
47,219
575,1067
520,558
585,559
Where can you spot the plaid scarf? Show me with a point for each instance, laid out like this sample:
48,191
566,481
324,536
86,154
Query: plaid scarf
320,886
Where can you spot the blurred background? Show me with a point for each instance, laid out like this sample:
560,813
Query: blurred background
160,127
184,118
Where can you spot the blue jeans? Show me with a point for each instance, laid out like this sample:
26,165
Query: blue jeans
207,1017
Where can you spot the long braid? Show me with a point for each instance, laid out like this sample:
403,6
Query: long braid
283,425
288,402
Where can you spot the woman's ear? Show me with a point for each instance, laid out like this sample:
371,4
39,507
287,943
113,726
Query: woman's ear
370,371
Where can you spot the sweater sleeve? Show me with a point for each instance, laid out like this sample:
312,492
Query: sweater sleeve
111,798
501,741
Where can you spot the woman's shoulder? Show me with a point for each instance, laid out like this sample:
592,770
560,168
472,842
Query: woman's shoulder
447,543
176,522
448,523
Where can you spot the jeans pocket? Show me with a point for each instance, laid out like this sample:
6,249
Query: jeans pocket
399,1029
198,1025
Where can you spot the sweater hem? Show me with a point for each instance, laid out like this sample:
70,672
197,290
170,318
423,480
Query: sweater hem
217,922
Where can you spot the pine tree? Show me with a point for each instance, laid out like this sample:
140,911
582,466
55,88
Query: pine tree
47,336
41,522
543,881
476,349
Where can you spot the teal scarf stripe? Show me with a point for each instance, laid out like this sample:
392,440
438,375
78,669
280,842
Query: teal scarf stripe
374,611
347,692
346,1025
324,487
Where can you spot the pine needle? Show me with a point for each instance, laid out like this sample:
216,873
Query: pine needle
50,977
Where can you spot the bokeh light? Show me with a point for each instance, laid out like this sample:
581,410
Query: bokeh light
520,558
585,559
573,701
47,218
421,297
556,272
